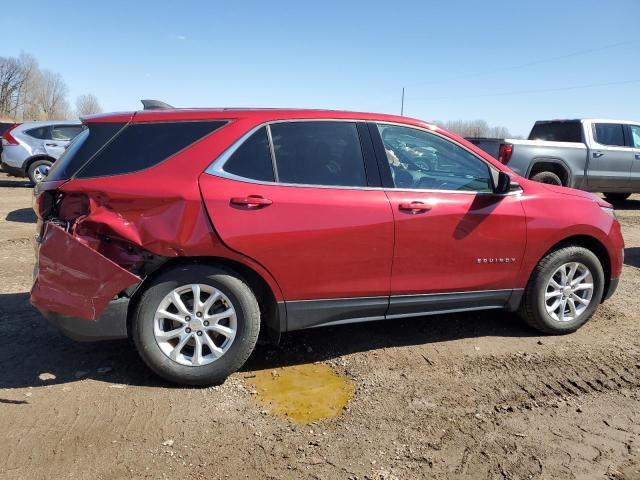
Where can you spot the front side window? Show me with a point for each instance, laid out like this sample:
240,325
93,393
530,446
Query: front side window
611,134
422,160
323,153
65,132
253,158
635,135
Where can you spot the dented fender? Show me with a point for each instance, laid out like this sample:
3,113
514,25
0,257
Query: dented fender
74,279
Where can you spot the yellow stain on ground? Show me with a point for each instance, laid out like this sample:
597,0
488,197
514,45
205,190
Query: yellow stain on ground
303,393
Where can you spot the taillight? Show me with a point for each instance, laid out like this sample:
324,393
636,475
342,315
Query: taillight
504,153
7,138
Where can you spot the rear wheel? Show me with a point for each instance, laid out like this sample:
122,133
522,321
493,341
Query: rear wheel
196,324
564,291
616,197
38,170
547,177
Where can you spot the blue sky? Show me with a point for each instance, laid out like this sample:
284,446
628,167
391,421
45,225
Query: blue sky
508,62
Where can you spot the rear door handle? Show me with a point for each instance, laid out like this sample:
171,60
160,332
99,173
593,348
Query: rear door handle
637,156
414,207
52,145
251,201
597,154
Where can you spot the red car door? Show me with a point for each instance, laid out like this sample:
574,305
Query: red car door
309,217
456,244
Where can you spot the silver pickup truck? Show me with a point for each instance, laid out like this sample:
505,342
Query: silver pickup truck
593,155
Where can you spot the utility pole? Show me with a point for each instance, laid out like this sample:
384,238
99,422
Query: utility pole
402,104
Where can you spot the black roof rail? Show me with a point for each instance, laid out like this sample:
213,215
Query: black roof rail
155,105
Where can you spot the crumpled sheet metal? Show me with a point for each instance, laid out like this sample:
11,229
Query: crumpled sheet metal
74,279
168,227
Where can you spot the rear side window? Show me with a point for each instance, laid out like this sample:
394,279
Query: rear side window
253,158
65,132
318,153
143,145
611,134
82,148
557,132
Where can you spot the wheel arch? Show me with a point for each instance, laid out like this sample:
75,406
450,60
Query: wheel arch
592,244
551,164
41,156
272,317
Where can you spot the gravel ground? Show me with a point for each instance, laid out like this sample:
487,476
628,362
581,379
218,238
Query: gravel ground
458,396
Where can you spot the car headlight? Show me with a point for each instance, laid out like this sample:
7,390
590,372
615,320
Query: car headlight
609,211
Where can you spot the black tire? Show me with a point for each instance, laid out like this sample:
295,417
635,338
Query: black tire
31,171
248,324
533,308
547,177
616,197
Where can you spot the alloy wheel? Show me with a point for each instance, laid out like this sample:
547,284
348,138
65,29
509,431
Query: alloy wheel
569,292
195,324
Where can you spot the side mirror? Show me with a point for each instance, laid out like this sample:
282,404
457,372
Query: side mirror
501,182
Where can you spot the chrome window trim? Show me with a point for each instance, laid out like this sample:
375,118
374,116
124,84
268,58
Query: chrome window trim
216,168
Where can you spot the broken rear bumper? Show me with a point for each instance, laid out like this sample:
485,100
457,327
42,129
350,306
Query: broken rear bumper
111,325
76,287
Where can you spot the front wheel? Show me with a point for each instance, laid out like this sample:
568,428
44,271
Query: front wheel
196,324
564,291
616,197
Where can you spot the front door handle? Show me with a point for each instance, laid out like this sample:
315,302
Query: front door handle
597,154
52,145
637,156
251,201
415,207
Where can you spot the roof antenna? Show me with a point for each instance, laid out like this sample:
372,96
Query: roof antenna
155,105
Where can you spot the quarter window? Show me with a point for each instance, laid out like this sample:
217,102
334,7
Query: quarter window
421,160
318,153
142,145
253,158
611,134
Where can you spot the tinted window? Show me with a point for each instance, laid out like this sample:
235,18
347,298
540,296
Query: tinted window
65,132
635,135
144,145
253,158
41,133
609,134
318,153
82,148
421,160
557,132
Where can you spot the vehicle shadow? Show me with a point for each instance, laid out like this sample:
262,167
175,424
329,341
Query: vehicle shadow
40,355
632,256
22,215
629,204
14,184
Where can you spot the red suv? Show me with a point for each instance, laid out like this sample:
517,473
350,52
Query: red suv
192,231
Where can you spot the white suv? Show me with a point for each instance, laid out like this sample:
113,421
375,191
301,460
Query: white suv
30,148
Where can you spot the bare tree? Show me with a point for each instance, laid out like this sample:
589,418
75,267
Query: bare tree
12,81
51,96
87,104
474,128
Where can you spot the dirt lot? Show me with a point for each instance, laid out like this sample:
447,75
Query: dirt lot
460,396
